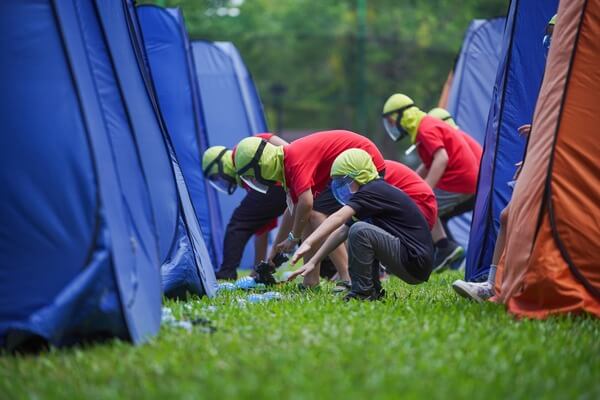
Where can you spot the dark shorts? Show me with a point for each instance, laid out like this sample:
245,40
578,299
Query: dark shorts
325,203
453,204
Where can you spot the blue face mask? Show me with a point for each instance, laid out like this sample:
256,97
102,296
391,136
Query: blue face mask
340,188
546,43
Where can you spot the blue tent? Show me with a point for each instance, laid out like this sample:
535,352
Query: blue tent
515,93
230,104
471,92
171,66
91,206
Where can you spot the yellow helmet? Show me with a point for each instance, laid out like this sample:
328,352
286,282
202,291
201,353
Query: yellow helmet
444,115
255,161
217,167
393,109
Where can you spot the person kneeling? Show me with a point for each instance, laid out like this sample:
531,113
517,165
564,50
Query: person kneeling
382,225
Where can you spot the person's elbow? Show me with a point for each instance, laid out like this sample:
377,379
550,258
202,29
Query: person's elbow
440,158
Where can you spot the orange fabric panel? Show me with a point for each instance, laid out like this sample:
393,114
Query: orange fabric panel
576,170
537,281
548,286
443,102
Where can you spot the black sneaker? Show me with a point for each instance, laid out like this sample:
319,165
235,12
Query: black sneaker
373,296
225,275
445,256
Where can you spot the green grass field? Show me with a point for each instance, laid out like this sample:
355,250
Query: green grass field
424,343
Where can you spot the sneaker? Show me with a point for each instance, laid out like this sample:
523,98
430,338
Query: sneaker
445,256
373,296
478,291
342,287
226,275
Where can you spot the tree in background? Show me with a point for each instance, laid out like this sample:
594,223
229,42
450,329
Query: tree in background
312,51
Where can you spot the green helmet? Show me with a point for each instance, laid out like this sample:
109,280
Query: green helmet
356,163
258,163
393,109
353,165
444,115
217,167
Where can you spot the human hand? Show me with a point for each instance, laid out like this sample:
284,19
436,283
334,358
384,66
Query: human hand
524,130
287,246
302,250
304,270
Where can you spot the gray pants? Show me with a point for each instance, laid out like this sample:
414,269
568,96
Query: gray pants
452,204
368,245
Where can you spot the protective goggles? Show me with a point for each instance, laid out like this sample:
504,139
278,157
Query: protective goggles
222,184
340,187
391,123
256,182
220,181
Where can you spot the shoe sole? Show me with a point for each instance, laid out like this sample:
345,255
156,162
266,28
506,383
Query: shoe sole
455,255
466,293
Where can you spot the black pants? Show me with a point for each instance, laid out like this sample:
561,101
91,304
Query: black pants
255,211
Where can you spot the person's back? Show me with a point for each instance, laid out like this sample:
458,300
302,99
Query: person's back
407,180
460,175
307,161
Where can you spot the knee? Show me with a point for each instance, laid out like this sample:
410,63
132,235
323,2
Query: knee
316,218
357,231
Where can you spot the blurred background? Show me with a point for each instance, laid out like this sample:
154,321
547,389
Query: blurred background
331,64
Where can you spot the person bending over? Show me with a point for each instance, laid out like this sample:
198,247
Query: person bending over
302,167
256,214
450,166
382,224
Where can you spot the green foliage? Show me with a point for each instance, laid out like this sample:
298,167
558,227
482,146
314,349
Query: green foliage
312,47
423,343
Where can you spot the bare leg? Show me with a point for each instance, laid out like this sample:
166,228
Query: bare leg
501,239
437,232
260,247
339,256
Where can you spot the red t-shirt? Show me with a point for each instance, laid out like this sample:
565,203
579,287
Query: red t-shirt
460,175
307,161
407,180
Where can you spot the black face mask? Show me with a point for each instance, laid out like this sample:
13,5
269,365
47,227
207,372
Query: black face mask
232,184
254,164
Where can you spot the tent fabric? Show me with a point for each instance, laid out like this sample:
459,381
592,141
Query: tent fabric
225,84
188,253
514,96
79,248
470,94
551,263
165,39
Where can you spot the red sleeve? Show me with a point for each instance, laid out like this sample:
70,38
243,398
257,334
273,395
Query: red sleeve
431,140
266,136
298,181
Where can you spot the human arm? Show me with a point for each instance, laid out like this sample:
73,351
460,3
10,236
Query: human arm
333,241
437,168
333,222
301,215
422,170
285,227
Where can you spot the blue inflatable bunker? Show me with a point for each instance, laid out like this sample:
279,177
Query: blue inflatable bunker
93,203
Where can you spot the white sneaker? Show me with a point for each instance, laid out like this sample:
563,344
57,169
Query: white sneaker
478,291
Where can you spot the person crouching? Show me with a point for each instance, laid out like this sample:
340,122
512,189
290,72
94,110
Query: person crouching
382,225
